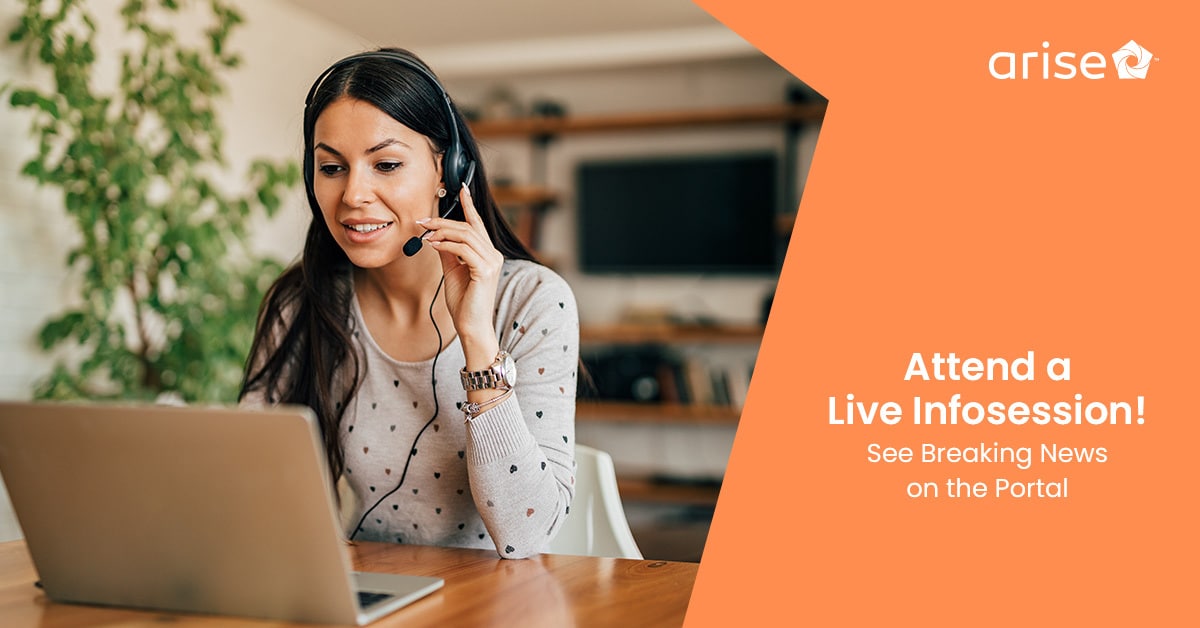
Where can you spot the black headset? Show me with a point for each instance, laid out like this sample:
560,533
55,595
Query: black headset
457,168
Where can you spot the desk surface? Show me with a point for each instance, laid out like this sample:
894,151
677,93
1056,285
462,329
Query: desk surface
481,590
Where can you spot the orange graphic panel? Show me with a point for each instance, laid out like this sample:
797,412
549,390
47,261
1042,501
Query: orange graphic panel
975,403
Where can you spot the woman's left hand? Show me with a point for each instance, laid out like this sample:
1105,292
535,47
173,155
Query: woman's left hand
471,266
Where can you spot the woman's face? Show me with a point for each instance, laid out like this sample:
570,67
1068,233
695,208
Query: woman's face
374,178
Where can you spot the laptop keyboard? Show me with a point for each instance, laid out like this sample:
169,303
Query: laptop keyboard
367,599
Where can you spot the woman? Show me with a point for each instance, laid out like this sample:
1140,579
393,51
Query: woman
410,310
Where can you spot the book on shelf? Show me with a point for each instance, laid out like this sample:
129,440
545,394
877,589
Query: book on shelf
669,384
737,378
720,386
699,381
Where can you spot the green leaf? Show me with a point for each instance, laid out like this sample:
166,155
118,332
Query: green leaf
19,32
23,98
33,168
60,329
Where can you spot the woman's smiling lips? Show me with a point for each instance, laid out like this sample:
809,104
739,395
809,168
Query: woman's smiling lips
364,230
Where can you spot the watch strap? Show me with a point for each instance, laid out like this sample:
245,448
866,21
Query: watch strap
491,377
478,380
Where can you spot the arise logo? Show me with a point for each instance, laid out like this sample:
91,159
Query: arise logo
1131,61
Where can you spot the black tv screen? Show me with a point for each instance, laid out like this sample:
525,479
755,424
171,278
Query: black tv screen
690,214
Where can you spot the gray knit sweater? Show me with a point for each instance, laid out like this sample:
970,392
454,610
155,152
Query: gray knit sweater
423,475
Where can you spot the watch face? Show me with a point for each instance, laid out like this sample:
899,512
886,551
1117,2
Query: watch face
510,370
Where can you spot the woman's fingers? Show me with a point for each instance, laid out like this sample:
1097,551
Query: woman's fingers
469,211
458,232
462,253
437,224
468,246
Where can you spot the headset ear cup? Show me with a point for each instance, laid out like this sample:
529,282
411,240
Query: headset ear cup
454,169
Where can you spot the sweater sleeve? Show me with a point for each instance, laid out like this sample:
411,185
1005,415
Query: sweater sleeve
521,461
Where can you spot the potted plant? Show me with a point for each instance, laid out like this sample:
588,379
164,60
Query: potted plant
168,285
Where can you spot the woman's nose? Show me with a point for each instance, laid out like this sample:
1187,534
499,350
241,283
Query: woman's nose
358,192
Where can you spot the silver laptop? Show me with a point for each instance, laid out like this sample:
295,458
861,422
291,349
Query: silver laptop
207,510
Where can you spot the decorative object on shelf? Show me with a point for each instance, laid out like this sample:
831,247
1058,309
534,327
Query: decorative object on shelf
642,364
470,113
501,103
546,108
501,174
169,288
627,374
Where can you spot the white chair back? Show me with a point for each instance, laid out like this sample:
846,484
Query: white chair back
596,525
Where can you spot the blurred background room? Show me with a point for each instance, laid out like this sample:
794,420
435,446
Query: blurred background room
648,154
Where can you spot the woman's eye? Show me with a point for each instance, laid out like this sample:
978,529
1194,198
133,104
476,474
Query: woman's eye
329,169
388,166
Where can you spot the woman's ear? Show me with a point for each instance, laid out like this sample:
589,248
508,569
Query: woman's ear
439,157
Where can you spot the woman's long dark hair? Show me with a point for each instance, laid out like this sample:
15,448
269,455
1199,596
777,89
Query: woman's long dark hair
302,349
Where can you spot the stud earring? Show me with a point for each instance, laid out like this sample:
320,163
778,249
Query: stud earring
441,192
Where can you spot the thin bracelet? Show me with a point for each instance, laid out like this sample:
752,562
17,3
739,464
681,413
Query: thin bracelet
472,410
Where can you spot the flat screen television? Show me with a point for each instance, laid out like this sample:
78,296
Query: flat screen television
674,215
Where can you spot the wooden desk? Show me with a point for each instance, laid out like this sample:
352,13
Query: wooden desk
481,590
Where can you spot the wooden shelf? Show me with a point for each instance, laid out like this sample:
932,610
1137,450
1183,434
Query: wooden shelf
668,333
524,195
760,114
648,490
633,412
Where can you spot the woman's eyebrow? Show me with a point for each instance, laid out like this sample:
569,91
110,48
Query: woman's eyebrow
385,143
327,148
379,146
